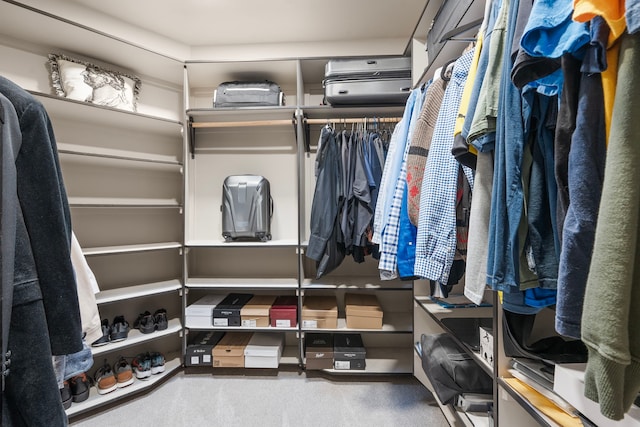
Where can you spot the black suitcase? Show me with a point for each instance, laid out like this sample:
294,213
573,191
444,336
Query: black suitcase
248,94
246,208
367,81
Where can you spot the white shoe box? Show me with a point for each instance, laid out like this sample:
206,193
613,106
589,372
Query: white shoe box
264,350
200,313
568,383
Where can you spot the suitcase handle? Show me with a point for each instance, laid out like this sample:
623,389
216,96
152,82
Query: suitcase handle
372,62
343,92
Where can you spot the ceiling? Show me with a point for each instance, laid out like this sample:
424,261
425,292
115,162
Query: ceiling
225,22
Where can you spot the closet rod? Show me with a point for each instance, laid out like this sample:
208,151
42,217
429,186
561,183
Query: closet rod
283,122
354,120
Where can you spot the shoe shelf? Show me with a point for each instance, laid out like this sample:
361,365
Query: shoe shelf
382,360
172,363
393,322
137,291
137,337
242,244
243,284
356,283
290,355
145,247
120,202
439,312
115,155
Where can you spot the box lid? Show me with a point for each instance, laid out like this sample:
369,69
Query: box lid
204,306
265,344
318,342
234,300
320,306
259,305
232,344
206,338
285,302
349,346
365,305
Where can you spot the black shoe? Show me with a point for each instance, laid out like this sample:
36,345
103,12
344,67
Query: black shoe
65,395
104,340
80,386
119,330
145,323
160,319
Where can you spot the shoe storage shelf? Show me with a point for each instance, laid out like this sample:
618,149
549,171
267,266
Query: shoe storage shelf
123,172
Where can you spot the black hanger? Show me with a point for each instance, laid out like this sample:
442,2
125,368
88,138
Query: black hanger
443,71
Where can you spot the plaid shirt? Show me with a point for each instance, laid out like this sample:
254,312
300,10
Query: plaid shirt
389,244
436,239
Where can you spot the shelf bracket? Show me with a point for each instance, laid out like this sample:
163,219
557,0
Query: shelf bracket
192,138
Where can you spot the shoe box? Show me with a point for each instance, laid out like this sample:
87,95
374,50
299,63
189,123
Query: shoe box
229,352
320,312
264,350
318,350
255,313
200,313
349,352
362,311
200,347
227,312
284,312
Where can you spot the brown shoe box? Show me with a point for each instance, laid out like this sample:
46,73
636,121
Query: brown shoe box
227,312
200,346
255,313
284,312
320,312
363,311
349,352
318,350
229,352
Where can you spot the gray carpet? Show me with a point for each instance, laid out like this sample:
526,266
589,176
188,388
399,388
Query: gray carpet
287,399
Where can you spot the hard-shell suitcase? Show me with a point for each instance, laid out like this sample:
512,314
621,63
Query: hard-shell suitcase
367,81
248,94
246,208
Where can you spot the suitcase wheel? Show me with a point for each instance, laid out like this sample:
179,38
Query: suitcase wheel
264,237
227,238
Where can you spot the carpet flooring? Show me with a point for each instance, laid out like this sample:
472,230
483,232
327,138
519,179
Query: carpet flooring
283,399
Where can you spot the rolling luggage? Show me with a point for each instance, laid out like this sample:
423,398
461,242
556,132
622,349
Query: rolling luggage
246,208
370,81
248,94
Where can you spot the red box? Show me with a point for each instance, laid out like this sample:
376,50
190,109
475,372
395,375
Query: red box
284,312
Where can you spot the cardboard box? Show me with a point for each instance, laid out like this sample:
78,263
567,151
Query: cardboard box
227,312
284,312
200,313
255,313
264,350
486,344
363,311
318,350
349,352
568,383
320,312
200,347
229,352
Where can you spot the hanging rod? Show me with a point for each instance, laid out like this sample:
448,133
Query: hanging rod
282,122
353,120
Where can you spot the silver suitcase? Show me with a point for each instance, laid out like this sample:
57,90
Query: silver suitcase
369,81
247,208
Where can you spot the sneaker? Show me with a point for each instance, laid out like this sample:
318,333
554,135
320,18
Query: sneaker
142,365
123,372
145,323
80,386
105,335
160,319
65,395
119,329
105,379
157,362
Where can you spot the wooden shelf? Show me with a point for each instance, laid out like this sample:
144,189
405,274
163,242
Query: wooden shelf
393,322
243,328
118,155
117,202
355,283
137,291
219,243
439,312
382,360
123,249
242,283
137,337
95,400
